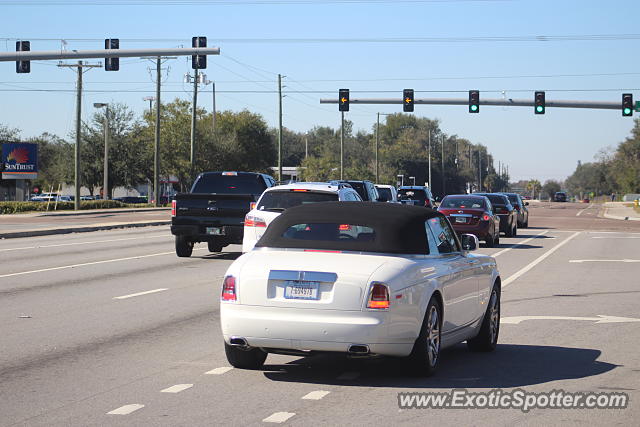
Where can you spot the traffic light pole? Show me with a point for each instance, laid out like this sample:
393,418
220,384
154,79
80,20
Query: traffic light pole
106,53
192,155
156,141
342,145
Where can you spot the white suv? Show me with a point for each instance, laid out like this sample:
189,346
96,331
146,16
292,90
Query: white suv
276,199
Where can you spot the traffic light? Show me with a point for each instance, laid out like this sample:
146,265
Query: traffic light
343,100
112,64
198,62
474,101
627,104
539,103
407,100
23,66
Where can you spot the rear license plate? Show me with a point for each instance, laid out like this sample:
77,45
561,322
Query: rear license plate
216,231
461,220
301,290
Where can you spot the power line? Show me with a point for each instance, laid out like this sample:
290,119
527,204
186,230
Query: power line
223,2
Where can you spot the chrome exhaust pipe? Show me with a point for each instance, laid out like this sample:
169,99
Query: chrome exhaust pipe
359,349
238,342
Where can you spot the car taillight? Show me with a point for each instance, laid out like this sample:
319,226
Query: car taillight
252,206
427,203
254,221
517,207
173,208
344,227
378,297
486,217
229,289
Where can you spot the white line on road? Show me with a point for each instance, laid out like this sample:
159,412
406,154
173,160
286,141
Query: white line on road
610,232
519,244
176,388
315,395
126,409
579,213
141,293
515,320
603,260
538,260
82,243
349,376
92,263
615,237
219,371
278,417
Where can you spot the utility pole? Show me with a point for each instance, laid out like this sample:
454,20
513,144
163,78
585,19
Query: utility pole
76,181
306,145
193,121
479,171
342,145
443,184
430,186
377,144
156,143
213,114
279,127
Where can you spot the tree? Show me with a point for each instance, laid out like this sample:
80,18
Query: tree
551,187
534,186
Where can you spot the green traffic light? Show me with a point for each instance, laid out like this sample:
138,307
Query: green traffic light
540,109
627,111
474,108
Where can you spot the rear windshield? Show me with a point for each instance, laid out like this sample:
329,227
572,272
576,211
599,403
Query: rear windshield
330,232
281,200
385,193
513,199
408,194
497,200
229,184
362,191
462,202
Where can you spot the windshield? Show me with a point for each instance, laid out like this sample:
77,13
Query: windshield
385,193
410,194
513,199
359,187
460,202
281,200
229,184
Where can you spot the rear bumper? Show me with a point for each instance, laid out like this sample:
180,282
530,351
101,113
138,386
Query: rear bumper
310,329
198,232
480,230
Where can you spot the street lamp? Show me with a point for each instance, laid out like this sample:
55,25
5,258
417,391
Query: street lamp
150,99
401,180
414,180
105,184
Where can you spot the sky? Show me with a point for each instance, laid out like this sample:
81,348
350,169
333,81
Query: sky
572,49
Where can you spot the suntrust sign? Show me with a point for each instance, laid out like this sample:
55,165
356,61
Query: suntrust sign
19,161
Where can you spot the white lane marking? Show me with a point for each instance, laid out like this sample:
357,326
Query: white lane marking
278,417
603,260
81,243
515,320
126,409
219,371
92,263
610,232
176,388
580,213
315,395
538,260
349,376
519,244
615,237
141,293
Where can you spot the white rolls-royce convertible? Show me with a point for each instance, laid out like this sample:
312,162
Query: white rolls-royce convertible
364,279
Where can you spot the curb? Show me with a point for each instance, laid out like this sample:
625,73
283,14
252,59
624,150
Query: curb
79,229
84,212
622,218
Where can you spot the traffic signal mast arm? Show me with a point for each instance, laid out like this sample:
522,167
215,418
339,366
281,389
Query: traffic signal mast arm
600,105
105,53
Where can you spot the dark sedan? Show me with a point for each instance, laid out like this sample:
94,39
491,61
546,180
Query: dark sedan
505,210
417,195
521,208
471,214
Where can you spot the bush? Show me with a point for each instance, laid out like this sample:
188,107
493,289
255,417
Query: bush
18,207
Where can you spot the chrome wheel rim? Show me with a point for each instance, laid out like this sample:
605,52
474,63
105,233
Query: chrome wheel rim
433,336
494,316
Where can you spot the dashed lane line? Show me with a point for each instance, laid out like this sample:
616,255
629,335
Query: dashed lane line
278,417
83,243
219,371
315,395
519,244
141,293
126,409
177,388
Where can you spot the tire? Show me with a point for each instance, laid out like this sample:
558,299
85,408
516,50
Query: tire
509,233
426,351
487,338
184,247
526,223
515,231
489,241
214,247
245,359
497,241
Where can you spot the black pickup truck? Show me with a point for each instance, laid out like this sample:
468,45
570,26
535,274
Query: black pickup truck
214,210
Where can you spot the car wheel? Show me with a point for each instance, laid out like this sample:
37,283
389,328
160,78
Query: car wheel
489,241
241,358
509,232
497,241
515,230
526,223
214,247
184,247
487,338
426,351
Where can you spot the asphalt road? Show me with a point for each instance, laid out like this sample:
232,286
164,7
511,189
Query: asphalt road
95,322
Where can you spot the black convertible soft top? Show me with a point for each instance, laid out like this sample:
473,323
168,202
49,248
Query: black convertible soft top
397,228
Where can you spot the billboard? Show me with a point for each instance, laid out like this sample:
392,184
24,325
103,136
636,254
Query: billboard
19,161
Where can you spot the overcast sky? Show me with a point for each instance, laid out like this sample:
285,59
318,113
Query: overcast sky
575,50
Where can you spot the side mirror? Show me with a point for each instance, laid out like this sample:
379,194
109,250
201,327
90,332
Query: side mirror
469,242
526,203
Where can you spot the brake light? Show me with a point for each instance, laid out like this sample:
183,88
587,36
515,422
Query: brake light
344,227
254,221
173,208
486,217
229,173
378,296
300,189
229,289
